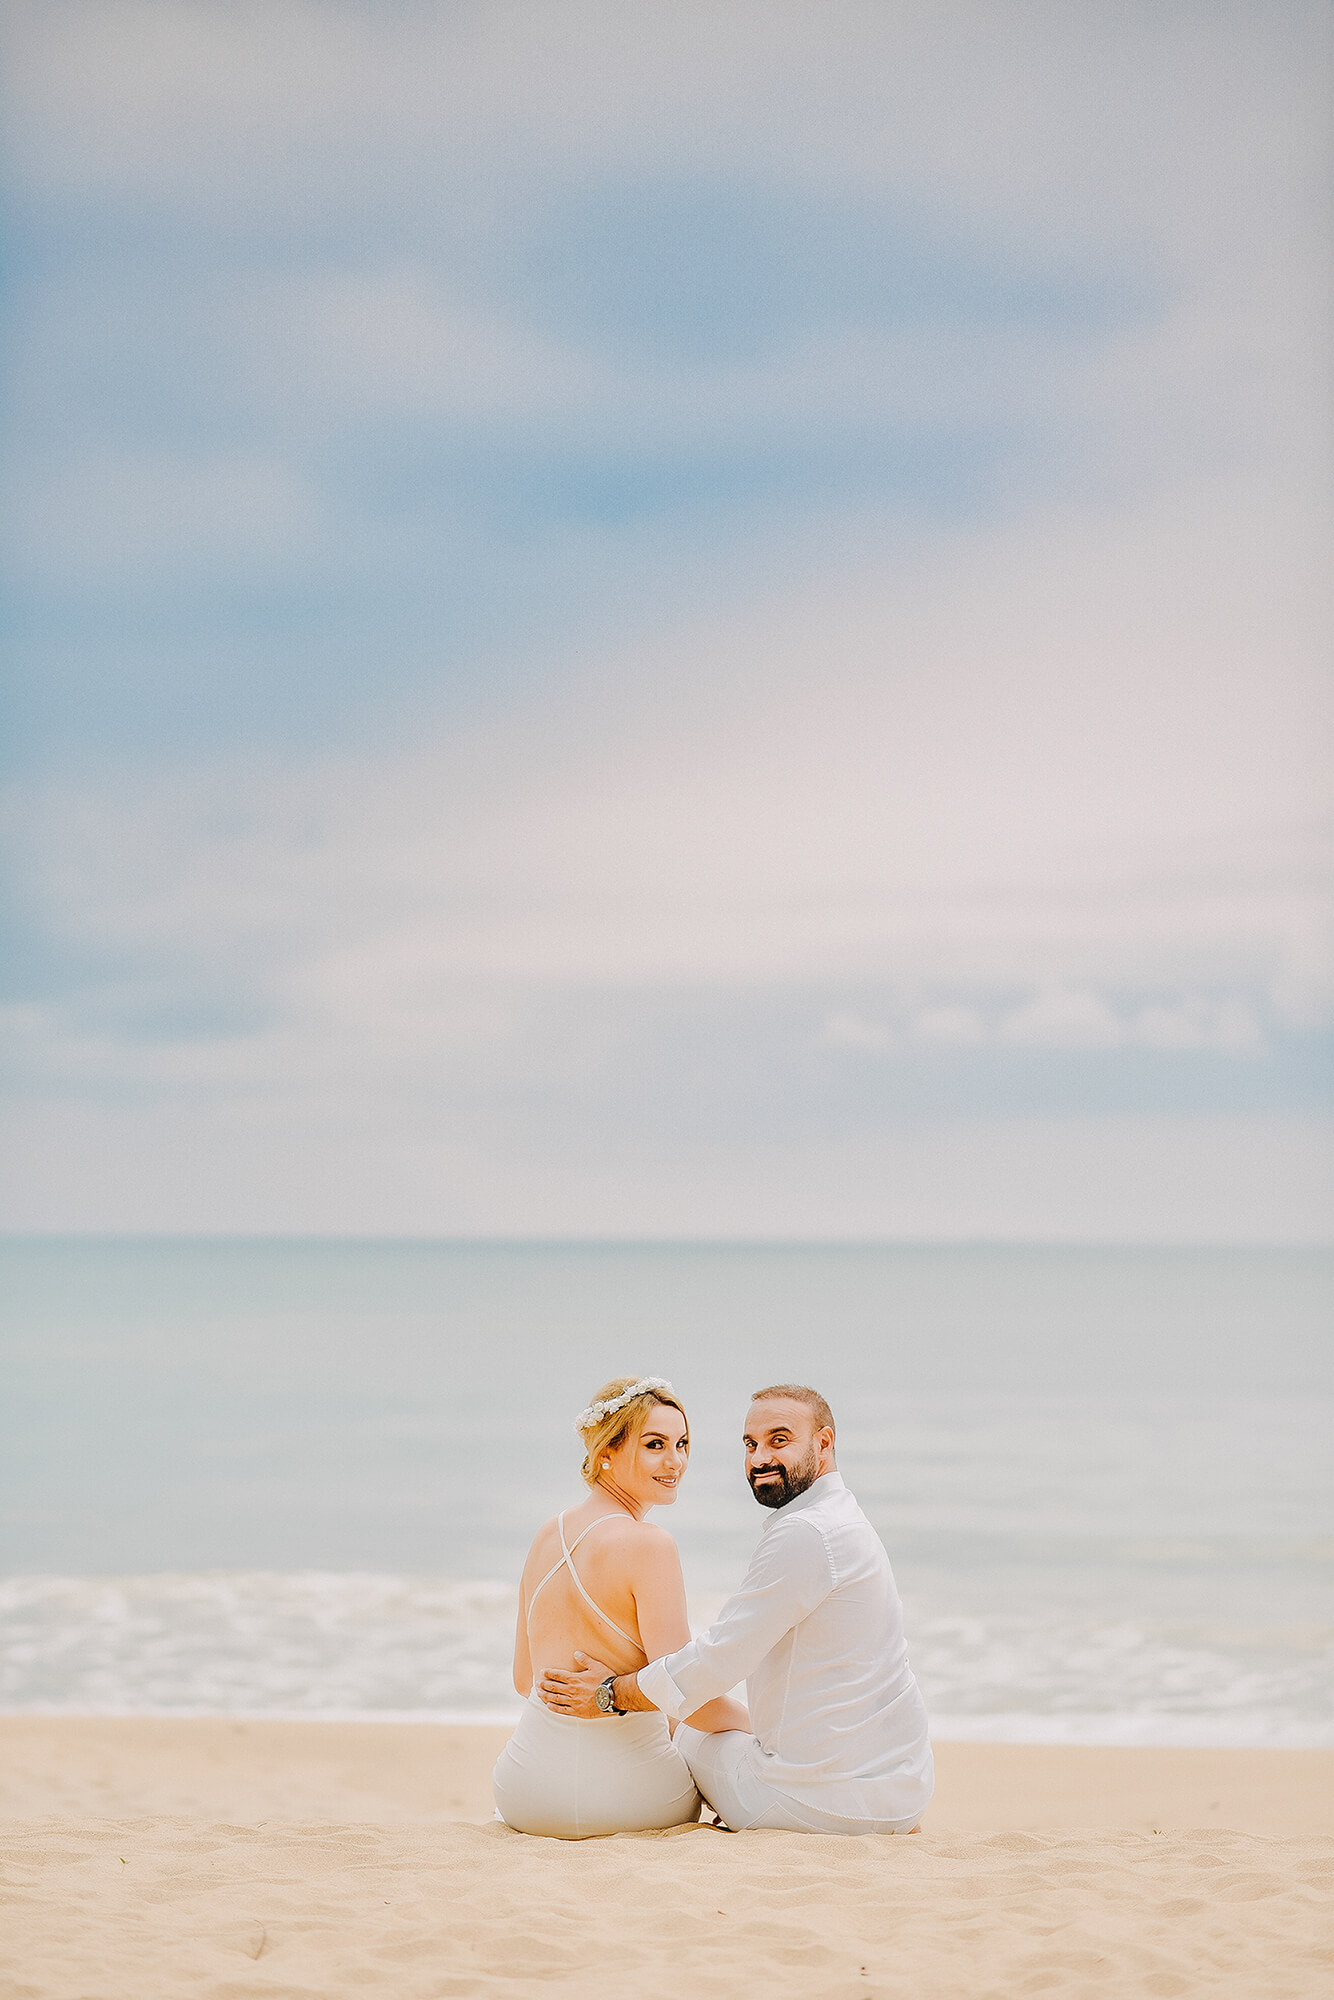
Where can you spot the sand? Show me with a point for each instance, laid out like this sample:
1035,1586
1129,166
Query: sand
141,1859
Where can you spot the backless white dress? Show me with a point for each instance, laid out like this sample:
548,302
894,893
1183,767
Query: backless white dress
573,1779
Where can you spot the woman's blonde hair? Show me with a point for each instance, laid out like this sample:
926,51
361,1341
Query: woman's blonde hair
606,1433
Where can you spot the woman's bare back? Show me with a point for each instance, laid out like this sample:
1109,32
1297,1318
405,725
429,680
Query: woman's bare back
629,1570
559,1618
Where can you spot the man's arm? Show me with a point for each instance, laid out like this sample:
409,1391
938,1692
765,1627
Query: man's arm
574,1693
626,1693
789,1576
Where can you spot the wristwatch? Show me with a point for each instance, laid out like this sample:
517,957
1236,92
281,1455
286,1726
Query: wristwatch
606,1696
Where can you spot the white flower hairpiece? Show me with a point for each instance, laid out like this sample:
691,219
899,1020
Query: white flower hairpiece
597,1411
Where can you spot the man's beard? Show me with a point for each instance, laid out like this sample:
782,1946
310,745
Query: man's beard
784,1482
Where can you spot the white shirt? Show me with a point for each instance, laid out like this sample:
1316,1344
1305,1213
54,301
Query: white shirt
816,1631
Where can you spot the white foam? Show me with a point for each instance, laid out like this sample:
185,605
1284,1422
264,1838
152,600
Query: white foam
340,1646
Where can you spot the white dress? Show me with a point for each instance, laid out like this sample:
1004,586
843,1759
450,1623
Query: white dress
573,1779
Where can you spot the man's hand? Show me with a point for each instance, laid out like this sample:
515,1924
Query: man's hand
573,1694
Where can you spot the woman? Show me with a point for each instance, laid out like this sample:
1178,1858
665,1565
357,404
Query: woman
600,1581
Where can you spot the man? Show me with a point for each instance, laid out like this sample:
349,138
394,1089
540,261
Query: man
816,1631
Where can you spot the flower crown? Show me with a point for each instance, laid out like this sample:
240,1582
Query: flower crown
597,1411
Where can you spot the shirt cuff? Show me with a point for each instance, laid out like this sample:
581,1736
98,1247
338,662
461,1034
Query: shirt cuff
655,1682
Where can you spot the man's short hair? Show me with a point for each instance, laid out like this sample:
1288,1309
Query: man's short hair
797,1392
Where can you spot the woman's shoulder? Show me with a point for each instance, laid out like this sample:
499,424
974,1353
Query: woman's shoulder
618,1532
624,1534
636,1542
654,1536
545,1535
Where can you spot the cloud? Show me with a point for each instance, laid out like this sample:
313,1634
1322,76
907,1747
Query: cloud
1070,1018
364,361
202,106
1005,750
917,854
1064,1017
1194,1024
853,1031
610,611
1075,1018
95,518
952,1023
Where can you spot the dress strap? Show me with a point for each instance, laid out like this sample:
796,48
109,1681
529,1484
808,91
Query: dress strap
564,1562
578,1580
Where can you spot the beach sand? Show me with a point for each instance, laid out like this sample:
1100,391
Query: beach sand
231,1859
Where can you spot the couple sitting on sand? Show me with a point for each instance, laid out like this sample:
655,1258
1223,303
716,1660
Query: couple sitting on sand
629,1720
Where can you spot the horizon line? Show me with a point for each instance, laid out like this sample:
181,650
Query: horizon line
498,1241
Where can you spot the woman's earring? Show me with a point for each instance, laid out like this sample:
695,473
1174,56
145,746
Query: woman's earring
606,1465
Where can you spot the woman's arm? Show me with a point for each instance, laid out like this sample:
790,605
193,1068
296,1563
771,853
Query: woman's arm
523,1660
659,1591
660,1605
723,1712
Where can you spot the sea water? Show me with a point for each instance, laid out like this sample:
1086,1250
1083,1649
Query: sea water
300,1477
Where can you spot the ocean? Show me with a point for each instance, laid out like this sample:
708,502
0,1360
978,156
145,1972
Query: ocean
299,1477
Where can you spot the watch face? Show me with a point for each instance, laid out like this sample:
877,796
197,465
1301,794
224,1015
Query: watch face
603,1698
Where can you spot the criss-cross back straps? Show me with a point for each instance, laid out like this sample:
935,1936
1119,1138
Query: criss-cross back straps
566,1551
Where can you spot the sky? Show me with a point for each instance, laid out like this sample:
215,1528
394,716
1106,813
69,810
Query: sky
672,621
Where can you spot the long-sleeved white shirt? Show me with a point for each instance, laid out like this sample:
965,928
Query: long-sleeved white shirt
816,1632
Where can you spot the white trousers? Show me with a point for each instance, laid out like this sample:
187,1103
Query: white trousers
725,1767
